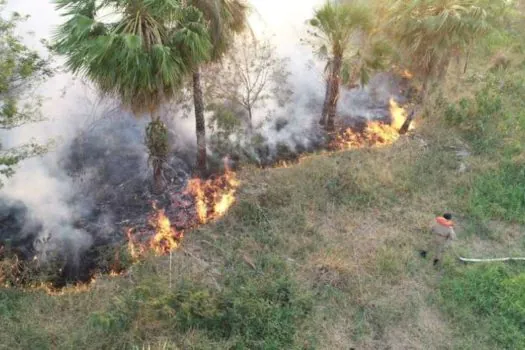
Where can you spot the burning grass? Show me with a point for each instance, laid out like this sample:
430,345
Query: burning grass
319,255
204,201
374,133
212,199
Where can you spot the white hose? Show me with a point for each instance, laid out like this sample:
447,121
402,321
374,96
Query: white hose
490,260
486,260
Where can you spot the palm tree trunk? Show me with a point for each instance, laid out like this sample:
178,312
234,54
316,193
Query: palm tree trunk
200,123
158,182
324,114
155,158
335,82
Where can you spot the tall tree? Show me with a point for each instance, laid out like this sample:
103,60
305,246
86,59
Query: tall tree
21,70
225,19
342,34
136,50
430,33
248,76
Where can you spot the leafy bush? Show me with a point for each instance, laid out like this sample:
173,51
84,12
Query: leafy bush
492,298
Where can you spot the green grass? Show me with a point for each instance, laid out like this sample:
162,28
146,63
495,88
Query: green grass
256,310
500,194
324,254
488,302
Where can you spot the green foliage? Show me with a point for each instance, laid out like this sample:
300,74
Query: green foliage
140,58
256,310
21,70
225,124
226,18
349,31
431,32
157,140
478,119
493,121
492,297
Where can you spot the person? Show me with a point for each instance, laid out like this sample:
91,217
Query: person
443,232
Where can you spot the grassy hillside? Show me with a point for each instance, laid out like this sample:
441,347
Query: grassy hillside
324,254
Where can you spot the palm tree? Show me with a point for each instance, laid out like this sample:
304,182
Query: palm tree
432,32
225,18
344,35
137,51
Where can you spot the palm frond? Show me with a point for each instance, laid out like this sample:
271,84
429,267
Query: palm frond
142,56
431,31
225,18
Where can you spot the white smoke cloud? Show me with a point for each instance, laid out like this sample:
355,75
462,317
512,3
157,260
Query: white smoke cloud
71,106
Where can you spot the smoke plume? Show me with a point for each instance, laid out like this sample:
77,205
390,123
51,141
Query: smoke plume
96,180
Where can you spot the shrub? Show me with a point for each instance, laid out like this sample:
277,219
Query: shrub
256,310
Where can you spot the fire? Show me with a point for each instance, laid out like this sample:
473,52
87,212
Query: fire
213,197
375,134
136,250
407,74
166,237
398,115
75,289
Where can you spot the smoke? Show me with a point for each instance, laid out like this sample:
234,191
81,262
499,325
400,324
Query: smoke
97,178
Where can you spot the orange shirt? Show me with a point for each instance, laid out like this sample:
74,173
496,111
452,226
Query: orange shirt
444,222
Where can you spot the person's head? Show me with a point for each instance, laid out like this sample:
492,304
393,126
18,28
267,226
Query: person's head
447,216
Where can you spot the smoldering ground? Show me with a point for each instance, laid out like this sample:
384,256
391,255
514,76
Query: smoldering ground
67,206
62,207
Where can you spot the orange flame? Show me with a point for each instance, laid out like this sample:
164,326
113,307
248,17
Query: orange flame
375,134
407,74
165,239
213,197
76,289
399,115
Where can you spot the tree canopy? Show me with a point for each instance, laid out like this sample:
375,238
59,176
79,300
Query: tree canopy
138,51
21,70
431,32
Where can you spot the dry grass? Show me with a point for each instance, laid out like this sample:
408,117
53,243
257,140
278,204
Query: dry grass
344,227
349,225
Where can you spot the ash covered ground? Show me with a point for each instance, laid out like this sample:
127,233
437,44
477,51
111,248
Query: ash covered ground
71,209
101,185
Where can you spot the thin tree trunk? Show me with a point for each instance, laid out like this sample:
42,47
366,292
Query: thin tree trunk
250,120
335,82
408,121
158,181
423,99
324,114
156,164
467,59
200,122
